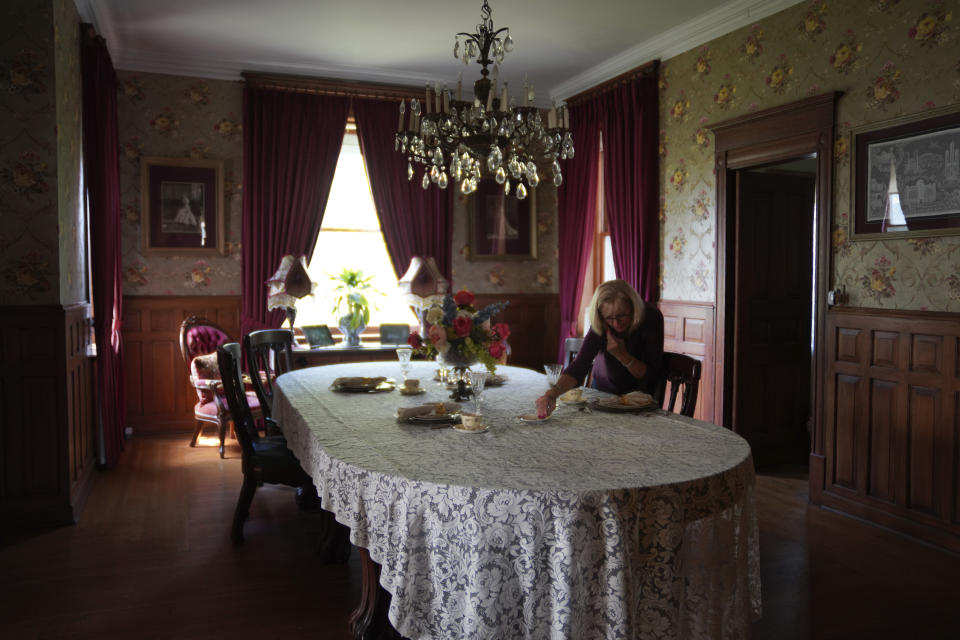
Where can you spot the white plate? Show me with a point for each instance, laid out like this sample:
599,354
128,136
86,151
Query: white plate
532,418
625,408
461,429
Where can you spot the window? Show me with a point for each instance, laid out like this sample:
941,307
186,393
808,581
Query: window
600,264
350,237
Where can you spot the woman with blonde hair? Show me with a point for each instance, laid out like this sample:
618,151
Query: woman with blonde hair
623,347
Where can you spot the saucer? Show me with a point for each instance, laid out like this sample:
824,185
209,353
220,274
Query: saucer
461,429
406,392
532,418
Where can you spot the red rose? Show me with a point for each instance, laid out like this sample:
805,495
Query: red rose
496,349
502,330
462,326
464,298
415,340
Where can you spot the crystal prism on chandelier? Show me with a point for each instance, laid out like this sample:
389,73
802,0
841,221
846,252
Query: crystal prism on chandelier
463,140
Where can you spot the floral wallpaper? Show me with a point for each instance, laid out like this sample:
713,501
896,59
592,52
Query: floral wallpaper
71,229
29,242
179,117
889,57
509,276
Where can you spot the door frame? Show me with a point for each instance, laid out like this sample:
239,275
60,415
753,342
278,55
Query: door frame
764,137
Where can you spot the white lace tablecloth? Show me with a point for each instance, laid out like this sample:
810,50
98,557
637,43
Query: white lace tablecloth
587,525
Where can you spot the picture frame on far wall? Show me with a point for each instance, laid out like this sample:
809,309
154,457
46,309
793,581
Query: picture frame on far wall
906,177
501,227
181,206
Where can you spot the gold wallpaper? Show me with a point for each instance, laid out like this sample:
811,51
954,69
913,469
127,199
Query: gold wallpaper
72,234
179,117
889,58
29,242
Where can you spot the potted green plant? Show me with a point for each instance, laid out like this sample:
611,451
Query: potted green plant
351,304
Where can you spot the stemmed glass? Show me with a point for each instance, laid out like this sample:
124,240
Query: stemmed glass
404,354
553,373
478,380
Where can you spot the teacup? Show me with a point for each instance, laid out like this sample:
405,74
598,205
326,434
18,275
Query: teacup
411,385
471,421
573,395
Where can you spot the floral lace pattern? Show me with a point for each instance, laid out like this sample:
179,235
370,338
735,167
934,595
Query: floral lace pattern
586,526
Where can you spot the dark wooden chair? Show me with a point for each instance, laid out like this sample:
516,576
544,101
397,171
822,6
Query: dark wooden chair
269,353
571,346
199,339
266,459
681,371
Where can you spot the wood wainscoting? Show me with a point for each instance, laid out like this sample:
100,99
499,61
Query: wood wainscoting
890,448
47,415
159,396
688,329
534,326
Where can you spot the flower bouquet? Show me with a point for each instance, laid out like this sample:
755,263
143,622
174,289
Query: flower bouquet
461,335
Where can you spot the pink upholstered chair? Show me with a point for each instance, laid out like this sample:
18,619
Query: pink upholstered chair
199,339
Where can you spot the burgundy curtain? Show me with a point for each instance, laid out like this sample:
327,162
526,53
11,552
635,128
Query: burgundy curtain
631,180
415,221
102,175
291,142
576,214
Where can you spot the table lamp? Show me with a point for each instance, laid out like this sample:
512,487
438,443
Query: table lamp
290,283
423,286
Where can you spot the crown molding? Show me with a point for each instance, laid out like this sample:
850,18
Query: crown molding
703,28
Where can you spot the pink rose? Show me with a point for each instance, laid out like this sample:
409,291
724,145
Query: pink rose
463,298
502,330
462,326
438,337
496,349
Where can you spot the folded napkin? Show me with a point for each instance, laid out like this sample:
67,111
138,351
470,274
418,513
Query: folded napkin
637,399
358,382
432,409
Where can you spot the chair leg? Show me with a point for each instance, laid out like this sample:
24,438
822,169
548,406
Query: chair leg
223,434
196,434
243,507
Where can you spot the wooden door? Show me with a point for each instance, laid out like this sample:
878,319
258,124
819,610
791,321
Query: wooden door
773,309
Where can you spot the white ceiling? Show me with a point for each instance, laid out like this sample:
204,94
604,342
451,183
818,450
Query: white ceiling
562,46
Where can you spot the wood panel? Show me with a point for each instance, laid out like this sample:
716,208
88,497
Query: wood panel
159,395
688,329
47,417
534,326
891,421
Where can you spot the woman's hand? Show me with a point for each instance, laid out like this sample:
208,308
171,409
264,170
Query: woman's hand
545,405
615,345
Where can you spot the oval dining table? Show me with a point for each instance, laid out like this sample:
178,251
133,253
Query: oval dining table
589,524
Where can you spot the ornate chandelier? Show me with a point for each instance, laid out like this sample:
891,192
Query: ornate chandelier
464,140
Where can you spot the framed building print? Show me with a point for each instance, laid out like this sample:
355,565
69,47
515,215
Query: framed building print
501,227
181,206
906,177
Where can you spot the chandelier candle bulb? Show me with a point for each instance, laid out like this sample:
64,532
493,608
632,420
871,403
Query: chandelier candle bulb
400,125
427,103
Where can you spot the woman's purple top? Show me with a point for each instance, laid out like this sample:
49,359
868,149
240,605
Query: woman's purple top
645,344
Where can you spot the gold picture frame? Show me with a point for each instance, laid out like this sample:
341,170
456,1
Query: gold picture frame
181,206
501,227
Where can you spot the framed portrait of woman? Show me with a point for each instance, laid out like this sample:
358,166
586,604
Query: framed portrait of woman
181,206
501,227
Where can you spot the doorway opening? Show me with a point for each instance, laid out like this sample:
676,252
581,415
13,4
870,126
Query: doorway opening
774,201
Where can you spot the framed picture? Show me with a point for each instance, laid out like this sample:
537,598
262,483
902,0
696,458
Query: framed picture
906,177
182,206
501,227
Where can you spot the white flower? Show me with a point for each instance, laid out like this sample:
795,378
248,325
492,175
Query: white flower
435,315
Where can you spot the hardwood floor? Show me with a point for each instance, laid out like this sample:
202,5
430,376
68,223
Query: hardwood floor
151,558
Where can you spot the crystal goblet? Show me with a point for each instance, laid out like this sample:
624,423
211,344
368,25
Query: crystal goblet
478,380
553,373
404,354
